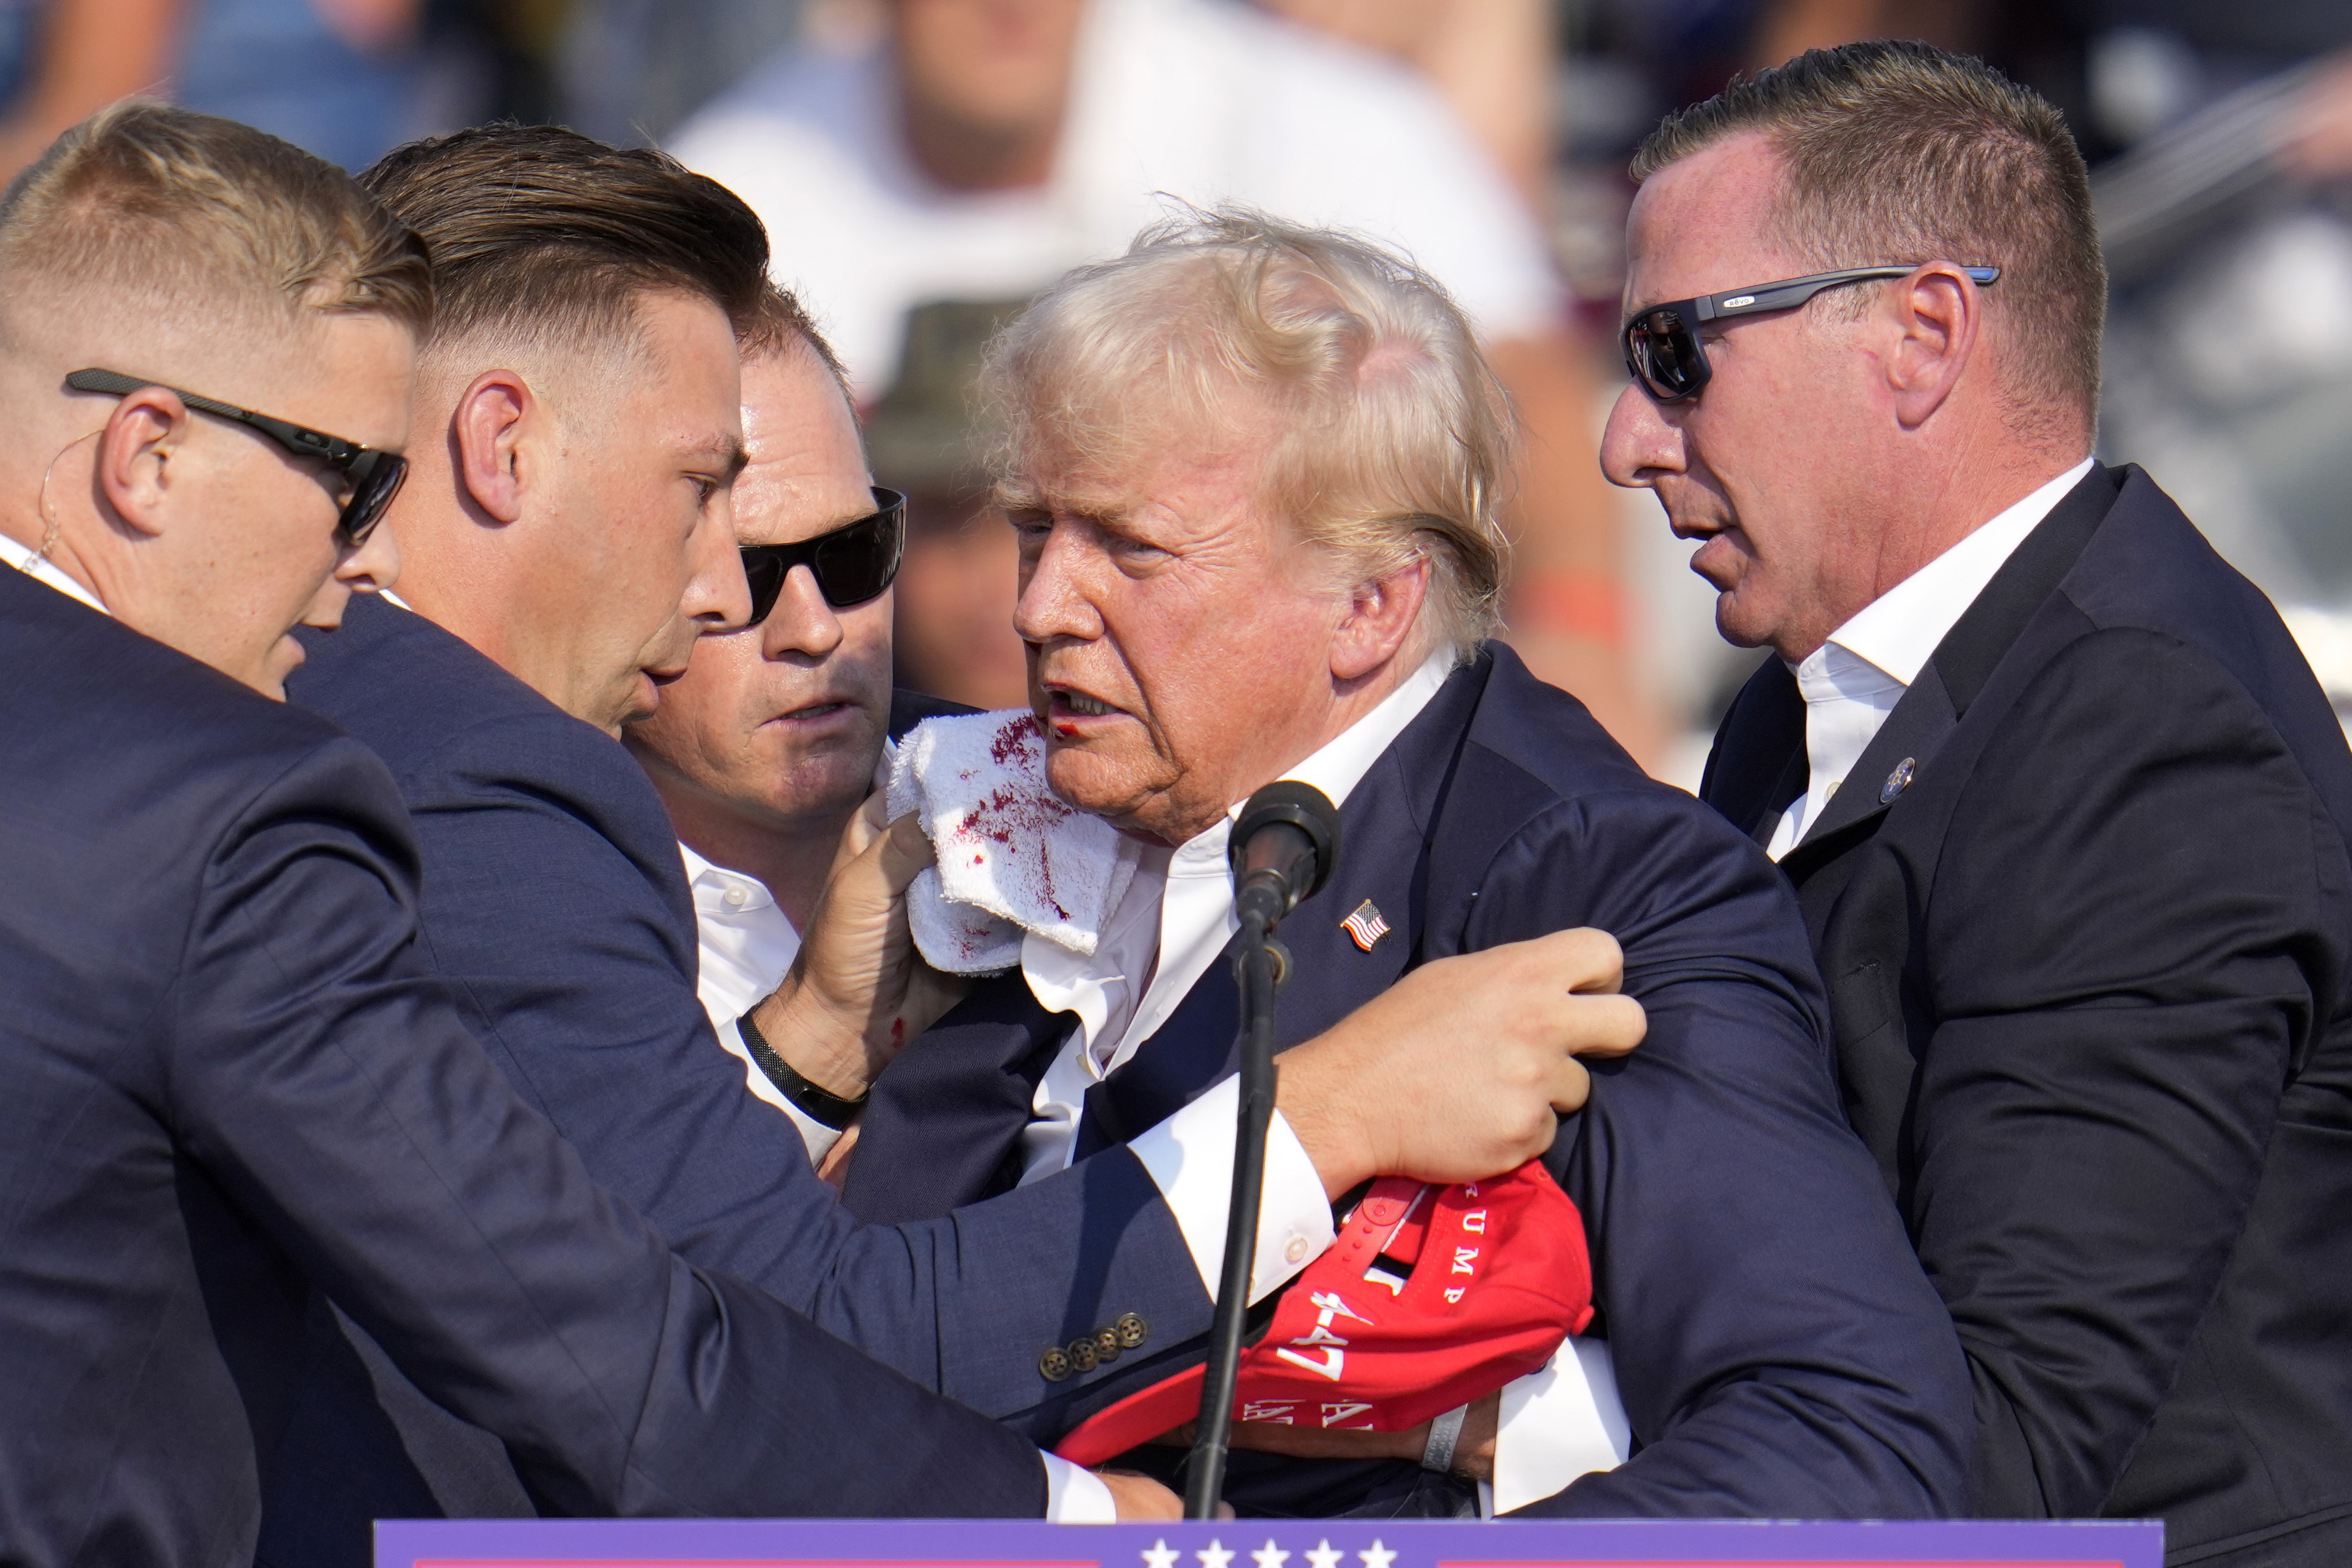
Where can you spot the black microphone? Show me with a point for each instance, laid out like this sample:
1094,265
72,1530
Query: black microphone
1283,850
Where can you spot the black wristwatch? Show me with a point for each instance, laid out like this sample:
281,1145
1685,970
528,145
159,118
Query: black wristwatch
817,1104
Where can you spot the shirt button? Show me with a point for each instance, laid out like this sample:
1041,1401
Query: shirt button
737,896
1295,1252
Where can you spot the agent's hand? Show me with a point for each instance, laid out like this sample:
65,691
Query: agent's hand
1140,1497
1462,1069
858,991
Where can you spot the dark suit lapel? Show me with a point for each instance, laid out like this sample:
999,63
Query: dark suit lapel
1757,764
1906,744
1969,654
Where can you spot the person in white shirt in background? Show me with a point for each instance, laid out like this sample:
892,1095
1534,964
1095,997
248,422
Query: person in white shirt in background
982,147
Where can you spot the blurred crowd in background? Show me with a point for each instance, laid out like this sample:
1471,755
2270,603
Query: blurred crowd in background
924,166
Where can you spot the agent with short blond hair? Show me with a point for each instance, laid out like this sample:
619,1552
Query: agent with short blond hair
1252,468
2066,811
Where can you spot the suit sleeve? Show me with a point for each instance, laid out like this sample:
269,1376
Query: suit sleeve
2127,955
569,954
1775,1347
331,1087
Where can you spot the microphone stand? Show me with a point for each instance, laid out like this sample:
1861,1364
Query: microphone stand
1261,975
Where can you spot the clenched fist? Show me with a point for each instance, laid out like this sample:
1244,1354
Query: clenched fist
1462,1069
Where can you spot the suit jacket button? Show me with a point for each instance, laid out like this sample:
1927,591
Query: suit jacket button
1054,1364
1132,1331
1107,1345
1082,1354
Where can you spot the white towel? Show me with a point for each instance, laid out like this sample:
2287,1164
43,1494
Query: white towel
1011,858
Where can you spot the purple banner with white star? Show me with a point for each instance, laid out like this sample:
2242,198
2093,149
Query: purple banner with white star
1278,1544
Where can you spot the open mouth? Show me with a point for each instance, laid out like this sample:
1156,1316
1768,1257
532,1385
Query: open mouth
1067,702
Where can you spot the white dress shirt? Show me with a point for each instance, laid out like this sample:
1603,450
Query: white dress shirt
747,947
1851,682
1175,918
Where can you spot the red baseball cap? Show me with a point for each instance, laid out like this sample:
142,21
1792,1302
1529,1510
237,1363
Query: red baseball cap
1430,1298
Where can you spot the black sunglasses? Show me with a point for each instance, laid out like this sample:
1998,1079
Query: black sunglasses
1662,346
374,476
852,564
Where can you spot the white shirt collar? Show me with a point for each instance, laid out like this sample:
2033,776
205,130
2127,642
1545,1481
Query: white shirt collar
720,891
1898,631
17,557
1178,911
1852,681
745,941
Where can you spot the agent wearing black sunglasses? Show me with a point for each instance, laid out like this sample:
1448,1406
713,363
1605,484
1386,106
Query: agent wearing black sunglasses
1663,350
852,564
371,477
2059,801
208,541
765,747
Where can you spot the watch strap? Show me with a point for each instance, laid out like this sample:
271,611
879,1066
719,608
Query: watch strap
1444,1436
820,1105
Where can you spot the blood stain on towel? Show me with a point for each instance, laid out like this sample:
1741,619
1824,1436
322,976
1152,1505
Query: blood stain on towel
1018,815
1016,742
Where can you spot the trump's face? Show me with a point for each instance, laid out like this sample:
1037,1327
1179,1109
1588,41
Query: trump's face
1179,639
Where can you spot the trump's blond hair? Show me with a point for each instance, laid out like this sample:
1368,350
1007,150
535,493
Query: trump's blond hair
1391,436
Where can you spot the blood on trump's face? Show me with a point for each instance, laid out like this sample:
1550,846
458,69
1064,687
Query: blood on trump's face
1179,638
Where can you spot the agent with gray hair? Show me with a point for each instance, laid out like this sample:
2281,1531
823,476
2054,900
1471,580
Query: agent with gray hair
2065,807
1252,468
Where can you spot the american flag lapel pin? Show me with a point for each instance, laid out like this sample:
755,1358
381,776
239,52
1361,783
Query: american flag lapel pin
1365,926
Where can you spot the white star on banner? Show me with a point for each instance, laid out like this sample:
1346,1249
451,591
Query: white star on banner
1215,1555
1160,1554
1269,1556
1325,1555
1377,1556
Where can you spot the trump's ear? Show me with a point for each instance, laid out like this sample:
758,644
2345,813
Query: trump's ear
1379,619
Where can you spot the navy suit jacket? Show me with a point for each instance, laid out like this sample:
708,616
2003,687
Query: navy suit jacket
1777,1349
229,1079
2091,983
555,905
